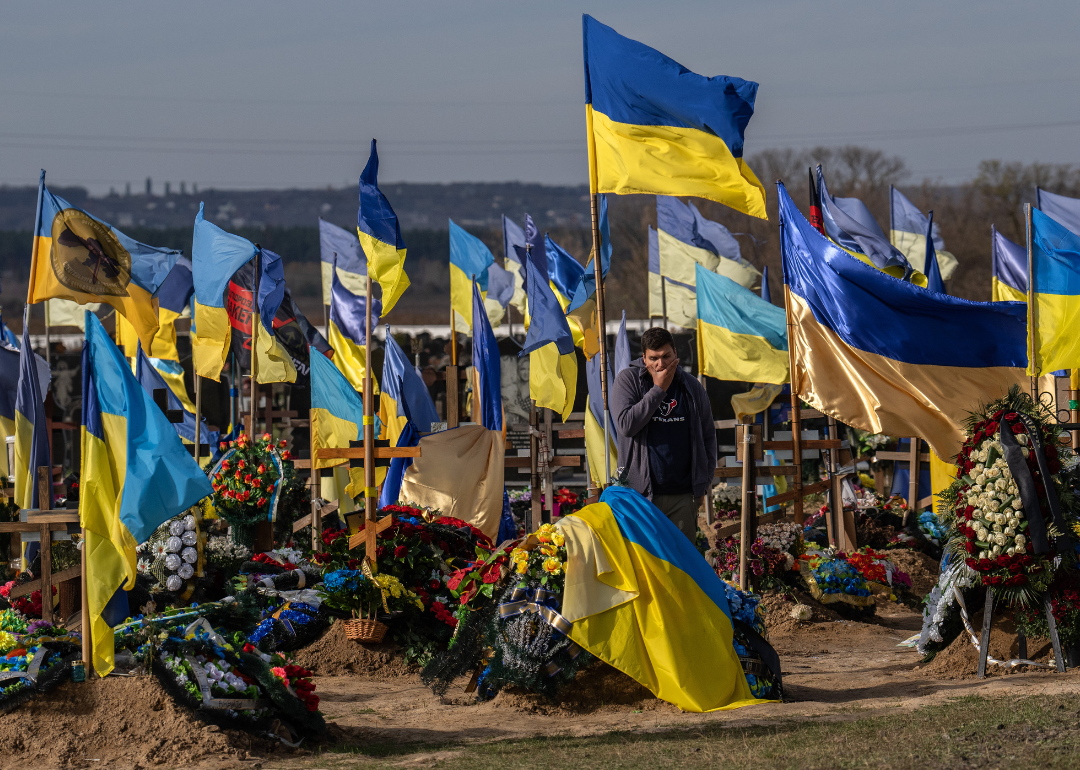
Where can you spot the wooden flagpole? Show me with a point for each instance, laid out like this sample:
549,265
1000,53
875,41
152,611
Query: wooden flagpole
370,502
796,416
601,316
254,389
1032,321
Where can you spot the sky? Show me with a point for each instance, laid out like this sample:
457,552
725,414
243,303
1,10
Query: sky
288,94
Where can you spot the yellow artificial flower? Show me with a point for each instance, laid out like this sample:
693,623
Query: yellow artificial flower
522,566
548,550
7,642
558,538
552,566
519,554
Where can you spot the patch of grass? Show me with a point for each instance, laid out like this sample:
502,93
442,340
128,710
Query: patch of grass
1039,733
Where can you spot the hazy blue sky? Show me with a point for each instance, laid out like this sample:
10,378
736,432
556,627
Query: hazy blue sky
278,94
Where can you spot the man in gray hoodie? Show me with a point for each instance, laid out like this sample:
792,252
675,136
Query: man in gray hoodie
667,441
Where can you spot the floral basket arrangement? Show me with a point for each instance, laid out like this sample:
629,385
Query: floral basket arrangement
1009,513
360,594
773,557
512,633
174,556
831,580
247,483
422,549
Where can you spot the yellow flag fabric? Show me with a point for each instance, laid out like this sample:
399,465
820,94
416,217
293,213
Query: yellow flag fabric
754,401
641,598
349,358
65,312
272,363
460,472
7,428
585,319
210,335
594,447
942,474
163,344
553,379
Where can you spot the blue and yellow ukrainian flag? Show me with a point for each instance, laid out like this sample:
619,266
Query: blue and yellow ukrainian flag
934,280
594,424
274,364
549,344
136,474
885,356
380,236
173,297
339,247
1061,208
656,128
215,256
488,384
907,231
150,378
740,336
31,428
348,332
469,261
1055,313
9,388
582,307
1008,269
337,417
685,239
564,274
640,597
78,257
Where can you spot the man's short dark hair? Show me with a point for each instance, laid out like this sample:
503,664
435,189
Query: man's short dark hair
655,339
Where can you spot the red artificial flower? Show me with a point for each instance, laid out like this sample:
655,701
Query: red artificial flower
248,647
261,468
380,552
223,446
261,501
240,464
491,573
400,552
984,565
286,455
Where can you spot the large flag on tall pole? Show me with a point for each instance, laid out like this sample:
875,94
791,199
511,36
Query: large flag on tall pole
380,235
655,127
136,474
1008,269
274,364
907,231
514,261
470,259
348,331
885,356
78,257
339,247
215,256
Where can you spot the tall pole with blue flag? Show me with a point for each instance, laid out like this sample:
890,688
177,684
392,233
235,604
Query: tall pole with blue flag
1032,307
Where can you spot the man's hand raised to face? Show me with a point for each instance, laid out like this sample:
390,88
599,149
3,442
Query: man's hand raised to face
662,365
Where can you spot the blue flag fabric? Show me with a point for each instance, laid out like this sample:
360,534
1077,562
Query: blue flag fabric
151,380
404,385
563,270
271,287
546,320
347,312
933,270
1008,268
391,489
31,433
215,256
469,254
534,244
849,223
486,361
1062,209
513,243
586,285
500,284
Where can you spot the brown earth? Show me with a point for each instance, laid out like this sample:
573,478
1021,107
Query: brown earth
833,666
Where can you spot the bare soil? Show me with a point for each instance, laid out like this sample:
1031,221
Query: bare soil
833,666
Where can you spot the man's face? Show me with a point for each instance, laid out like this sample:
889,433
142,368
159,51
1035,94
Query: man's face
657,361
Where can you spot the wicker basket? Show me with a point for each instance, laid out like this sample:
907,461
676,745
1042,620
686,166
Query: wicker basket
365,630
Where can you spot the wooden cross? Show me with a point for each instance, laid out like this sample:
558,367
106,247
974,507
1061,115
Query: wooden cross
382,453
45,521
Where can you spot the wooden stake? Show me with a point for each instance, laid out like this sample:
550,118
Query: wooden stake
198,417
534,477
44,480
1032,320
316,489
836,509
86,643
914,471
601,325
749,504
549,481
370,501
796,416
254,358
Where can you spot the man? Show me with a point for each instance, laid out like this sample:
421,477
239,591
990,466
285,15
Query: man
667,441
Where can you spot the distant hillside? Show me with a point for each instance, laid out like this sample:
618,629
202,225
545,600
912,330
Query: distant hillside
418,206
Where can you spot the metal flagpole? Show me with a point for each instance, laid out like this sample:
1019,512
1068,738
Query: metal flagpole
601,317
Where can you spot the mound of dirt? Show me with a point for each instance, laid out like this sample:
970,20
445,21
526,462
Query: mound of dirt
922,569
597,687
778,607
960,660
334,654
119,723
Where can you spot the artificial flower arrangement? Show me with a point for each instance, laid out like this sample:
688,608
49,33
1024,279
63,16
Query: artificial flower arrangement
1009,514
28,605
22,642
746,610
727,502
247,481
773,554
173,555
351,592
512,633
422,549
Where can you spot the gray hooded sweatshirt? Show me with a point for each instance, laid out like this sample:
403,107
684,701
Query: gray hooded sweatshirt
634,401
